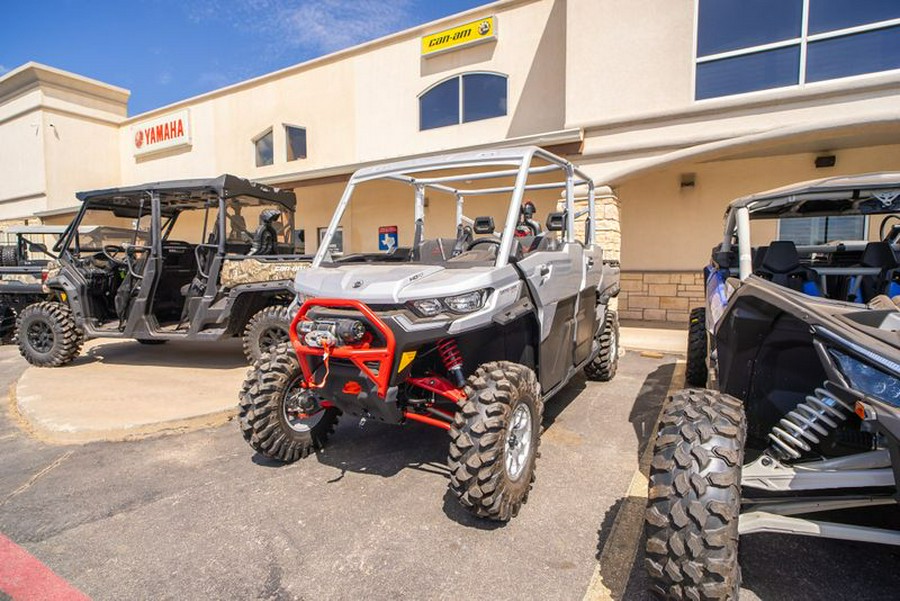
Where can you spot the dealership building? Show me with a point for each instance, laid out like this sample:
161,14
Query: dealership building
678,106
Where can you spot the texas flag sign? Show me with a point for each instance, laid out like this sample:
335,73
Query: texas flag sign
387,238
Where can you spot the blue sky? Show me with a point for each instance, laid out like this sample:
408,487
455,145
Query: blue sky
166,50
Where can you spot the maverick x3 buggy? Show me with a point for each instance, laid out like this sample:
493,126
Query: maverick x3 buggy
800,350
470,328
179,260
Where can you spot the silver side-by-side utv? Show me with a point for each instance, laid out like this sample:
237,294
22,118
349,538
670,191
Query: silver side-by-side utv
468,319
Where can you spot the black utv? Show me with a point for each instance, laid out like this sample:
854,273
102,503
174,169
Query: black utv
180,260
795,410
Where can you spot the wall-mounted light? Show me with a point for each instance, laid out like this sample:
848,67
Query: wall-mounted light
825,161
688,180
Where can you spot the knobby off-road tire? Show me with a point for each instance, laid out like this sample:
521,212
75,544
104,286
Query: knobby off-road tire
695,371
262,416
499,394
265,330
9,256
47,335
603,367
695,497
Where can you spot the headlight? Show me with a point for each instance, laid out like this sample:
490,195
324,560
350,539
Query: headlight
428,307
461,304
869,380
466,303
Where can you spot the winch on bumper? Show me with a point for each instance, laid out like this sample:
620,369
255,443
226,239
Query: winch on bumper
347,354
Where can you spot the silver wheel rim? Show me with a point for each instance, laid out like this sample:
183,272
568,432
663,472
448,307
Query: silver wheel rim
290,409
518,442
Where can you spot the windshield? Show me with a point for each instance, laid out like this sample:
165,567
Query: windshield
445,214
101,227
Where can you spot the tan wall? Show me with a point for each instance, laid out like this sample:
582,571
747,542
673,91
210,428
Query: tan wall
364,106
633,57
666,227
22,175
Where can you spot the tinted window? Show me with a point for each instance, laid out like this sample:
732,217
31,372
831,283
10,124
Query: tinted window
748,73
484,96
264,154
828,15
867,52
296,142
439,106
732,24
819,230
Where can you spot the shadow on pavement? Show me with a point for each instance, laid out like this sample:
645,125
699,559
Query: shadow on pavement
620,534
216,355
648,403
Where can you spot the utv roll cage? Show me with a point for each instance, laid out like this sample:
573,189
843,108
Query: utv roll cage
175,196
467,169
867,194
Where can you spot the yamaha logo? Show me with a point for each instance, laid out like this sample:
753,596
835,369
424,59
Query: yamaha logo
139,139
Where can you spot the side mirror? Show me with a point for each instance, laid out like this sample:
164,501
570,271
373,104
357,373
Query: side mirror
484,225
556,222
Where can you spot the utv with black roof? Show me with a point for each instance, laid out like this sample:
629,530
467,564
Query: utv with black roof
179,260
795,410
470,326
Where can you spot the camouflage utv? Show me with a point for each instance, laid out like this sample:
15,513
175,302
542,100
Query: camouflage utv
180,260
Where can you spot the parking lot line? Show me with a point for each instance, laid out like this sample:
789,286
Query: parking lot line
613,569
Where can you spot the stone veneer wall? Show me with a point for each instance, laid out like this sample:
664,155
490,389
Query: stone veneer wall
660,296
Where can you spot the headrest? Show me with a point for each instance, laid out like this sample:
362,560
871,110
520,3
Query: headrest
879,254
528,209
484,225
781,257
269,215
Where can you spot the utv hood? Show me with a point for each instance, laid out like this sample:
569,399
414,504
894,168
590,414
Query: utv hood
393,283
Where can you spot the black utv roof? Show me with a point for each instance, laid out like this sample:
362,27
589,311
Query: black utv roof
866,194
190,191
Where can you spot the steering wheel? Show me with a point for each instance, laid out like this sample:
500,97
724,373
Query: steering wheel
112,251
475,243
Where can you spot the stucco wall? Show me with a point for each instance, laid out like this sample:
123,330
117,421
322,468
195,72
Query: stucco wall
667,227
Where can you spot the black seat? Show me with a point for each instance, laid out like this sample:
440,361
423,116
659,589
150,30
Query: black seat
265,239
437,251
781,265
864,288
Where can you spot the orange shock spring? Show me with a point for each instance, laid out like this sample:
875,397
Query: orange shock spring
452,359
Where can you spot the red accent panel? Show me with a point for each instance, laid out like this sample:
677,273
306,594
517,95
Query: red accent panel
426,420
441,386
357,354
22,576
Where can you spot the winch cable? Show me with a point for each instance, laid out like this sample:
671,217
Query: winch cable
325,357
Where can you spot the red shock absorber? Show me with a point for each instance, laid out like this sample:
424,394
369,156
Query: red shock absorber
452,360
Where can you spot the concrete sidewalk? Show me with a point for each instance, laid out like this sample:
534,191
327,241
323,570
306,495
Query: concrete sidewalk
663,340
119,390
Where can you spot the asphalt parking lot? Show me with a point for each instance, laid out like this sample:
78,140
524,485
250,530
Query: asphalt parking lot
198,515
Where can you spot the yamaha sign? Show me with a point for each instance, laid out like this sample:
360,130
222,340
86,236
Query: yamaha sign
169,131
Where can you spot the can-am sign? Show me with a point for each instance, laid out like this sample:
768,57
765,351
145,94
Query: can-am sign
475,32
163,133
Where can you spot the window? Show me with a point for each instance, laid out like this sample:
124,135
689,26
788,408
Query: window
804,231
751,45
462,99
296,142
262,145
